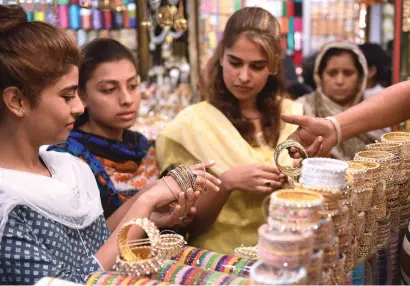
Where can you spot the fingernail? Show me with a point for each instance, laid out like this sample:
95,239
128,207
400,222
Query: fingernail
282,175
212,162
219,181
320,139
217,189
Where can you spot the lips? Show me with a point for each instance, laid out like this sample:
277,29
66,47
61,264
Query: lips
242,88
126,113
127,116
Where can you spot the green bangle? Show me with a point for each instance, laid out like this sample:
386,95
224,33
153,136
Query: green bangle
239,267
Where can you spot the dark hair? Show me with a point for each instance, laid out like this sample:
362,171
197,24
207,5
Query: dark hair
308,68
332,52
99,51
377,57
260,27
33,55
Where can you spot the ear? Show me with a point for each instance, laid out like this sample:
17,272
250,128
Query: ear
15,102
83,96
372,72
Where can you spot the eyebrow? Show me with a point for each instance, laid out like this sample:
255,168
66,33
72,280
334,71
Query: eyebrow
73,87
112,81
254,62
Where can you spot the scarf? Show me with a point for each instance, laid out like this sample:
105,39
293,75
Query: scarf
95,151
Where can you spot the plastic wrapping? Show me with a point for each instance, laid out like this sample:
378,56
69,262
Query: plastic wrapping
315,268
210,260
263,274
285,248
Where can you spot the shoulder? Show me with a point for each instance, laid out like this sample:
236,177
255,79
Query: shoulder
60,159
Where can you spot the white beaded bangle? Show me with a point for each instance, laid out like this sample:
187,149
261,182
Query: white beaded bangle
336,124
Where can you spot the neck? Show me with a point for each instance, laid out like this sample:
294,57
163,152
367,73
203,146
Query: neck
105,132
248,106
18,152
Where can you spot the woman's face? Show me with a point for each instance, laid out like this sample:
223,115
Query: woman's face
245,69
51,120
341,79
112,95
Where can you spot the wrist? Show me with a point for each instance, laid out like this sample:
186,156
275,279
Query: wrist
227,184
336,132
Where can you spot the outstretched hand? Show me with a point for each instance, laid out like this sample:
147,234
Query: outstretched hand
318,136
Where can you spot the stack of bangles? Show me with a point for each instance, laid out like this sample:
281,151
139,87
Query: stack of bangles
179,274
145,256
295,209
290,249
209,260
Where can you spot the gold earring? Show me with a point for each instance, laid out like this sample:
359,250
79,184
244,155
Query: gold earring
21,111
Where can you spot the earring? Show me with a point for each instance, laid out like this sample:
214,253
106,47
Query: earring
21,111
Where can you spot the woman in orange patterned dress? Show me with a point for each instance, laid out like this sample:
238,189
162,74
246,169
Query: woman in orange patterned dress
123,162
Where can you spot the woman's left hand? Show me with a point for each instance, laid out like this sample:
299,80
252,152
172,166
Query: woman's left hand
180,214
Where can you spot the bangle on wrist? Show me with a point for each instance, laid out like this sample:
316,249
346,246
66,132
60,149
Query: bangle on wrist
336,125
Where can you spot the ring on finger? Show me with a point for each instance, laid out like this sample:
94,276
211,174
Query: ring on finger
267,183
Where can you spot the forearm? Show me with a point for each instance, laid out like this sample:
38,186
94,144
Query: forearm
117,216
208,208
389,107
142,208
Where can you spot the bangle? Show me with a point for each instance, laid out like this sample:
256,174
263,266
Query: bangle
336,124
169,188
289,171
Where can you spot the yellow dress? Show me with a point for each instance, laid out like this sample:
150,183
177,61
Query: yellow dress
202,133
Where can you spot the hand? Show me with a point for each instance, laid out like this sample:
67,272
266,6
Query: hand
180,214
253,178
167,189
317,135
205,181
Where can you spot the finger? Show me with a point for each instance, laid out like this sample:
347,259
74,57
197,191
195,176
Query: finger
173,218
270,176
181,199
209,177
315,147
192,212
206,165
189,196
272,183
300,120
203,185
263,189
270,169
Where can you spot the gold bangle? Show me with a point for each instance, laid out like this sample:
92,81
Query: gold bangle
169,188
289,171
145,266
124,248
248,252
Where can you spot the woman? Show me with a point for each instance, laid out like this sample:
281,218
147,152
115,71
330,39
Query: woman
340,76
238,125
123,161
51,219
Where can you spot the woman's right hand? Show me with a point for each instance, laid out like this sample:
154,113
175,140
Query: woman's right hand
163,194
253,178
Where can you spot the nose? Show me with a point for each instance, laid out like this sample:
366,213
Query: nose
77,107
126,98
340,79
244,74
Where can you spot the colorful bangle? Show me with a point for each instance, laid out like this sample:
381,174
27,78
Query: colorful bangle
295,209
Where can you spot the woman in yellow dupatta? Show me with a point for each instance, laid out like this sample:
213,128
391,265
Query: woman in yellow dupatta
238,127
